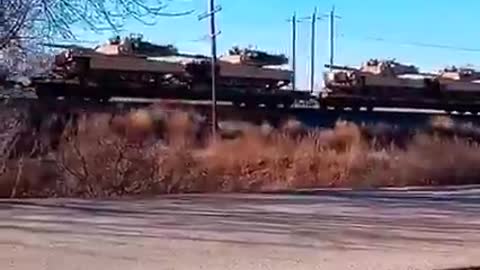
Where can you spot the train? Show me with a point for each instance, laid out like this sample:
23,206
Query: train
133,67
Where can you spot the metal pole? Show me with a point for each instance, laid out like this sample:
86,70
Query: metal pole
332,34
294,50
214,65
312,74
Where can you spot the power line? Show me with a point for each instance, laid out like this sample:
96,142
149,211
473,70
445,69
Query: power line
414,43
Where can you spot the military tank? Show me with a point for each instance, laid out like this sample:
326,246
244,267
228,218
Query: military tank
121,67
387,83
462,81
246,70
374,78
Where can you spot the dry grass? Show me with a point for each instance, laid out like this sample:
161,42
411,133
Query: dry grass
154,152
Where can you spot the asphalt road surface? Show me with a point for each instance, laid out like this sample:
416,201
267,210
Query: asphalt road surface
421,229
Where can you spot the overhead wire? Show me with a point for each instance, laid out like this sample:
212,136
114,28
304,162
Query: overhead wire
412,43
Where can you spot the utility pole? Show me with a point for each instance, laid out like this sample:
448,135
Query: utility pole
314,19
332,34
294,51
213,35
294,21
312,51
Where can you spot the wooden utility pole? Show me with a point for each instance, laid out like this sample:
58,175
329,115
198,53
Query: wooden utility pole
332,34
294,50
312,51
213,35
214,67
314,19
294,20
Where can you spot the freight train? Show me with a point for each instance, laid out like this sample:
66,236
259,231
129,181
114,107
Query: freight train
132,67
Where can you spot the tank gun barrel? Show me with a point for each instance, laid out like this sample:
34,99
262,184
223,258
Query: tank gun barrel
341,67
63,46
197,56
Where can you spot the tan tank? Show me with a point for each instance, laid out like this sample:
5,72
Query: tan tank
255,66
459,79
131,54
245,69
375,74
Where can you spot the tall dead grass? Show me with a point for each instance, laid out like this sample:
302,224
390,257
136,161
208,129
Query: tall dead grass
155,152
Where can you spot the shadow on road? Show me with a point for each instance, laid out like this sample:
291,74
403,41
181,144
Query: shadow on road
343,220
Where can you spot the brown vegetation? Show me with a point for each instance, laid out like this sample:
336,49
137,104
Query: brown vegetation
154,152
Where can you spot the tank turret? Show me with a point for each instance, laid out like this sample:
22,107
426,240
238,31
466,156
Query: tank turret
254,57
134,45
387,68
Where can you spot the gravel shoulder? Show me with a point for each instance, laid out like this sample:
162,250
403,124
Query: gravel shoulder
424,229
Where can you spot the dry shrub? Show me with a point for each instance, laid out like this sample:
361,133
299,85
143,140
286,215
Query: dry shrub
95,162
428,160
256,161
144,154
154,151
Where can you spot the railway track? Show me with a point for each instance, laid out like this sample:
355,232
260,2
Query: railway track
309,115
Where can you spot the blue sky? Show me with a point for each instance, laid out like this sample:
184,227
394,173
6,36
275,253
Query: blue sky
263,23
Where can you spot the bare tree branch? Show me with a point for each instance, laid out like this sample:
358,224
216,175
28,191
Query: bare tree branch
51,18
24,23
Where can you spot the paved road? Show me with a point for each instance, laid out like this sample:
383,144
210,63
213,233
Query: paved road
328,230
